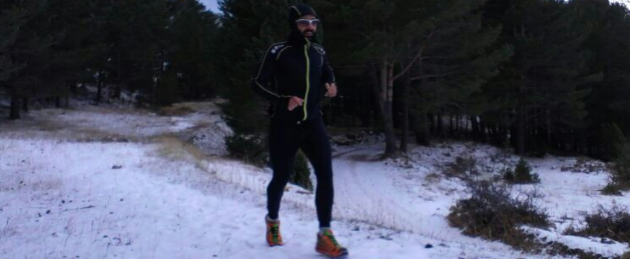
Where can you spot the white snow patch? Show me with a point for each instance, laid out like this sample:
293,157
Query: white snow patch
60,197
591,244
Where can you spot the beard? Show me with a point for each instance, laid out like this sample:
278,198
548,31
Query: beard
305,33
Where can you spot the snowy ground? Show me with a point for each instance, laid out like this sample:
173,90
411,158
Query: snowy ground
118,183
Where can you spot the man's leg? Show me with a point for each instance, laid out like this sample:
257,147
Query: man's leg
316,147
283,145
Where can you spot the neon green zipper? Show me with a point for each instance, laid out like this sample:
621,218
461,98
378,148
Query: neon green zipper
308,74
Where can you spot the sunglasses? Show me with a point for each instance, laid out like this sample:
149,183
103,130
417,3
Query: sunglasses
306,22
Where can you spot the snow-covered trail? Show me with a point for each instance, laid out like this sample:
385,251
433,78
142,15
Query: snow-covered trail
66,200
369,190
64,195
361,206
365,192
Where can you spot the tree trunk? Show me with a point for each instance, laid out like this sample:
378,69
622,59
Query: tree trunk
549,127
377,115
458,126
440,128
467,127
450,126
365,110
520,131
475,128
386,99
117,87
521,120
15,106
99,90
25,104
74,88
420,124
405,114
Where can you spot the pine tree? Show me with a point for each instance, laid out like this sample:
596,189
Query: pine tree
610,44
10,20
612,142
135,33
439,46
247,30
30,49
539,93
460,57
72,52
192,43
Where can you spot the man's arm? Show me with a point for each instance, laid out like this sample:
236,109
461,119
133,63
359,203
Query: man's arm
263,78
329,79
328,74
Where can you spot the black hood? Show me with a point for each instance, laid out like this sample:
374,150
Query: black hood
295,12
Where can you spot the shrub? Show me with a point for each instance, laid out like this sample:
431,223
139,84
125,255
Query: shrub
611,223
462,167
301,176
611,189
522,174
508,174
252,149
493,214
166,92
249,148
612,141
621,167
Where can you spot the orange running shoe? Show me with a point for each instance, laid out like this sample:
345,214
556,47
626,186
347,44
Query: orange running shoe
327,245
273,232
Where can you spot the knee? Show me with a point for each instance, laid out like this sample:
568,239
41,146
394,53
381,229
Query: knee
325,181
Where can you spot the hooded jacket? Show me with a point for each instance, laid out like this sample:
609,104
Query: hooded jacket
296,67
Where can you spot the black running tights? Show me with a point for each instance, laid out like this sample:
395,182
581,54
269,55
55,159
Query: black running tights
285,138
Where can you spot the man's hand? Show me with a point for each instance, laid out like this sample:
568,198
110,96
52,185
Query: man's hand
331,90
294,102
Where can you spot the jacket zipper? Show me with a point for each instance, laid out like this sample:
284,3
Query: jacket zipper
308,74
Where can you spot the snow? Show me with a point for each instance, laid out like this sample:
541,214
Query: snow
623,2
588,244
103,182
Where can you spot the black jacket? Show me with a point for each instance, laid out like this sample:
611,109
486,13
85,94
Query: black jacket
294,69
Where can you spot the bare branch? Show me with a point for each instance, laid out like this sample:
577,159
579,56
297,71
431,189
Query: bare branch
435,75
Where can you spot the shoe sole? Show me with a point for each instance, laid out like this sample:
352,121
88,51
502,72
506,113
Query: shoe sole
344,254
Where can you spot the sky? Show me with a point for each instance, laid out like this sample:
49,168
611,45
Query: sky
214,7
211,5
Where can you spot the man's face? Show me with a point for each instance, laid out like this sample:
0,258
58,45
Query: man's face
307,25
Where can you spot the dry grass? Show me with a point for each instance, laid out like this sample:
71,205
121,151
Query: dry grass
585,165
463,168
173,148
181,109
613,223
433,178
27,123
175,110
201,125
25,183
48,126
